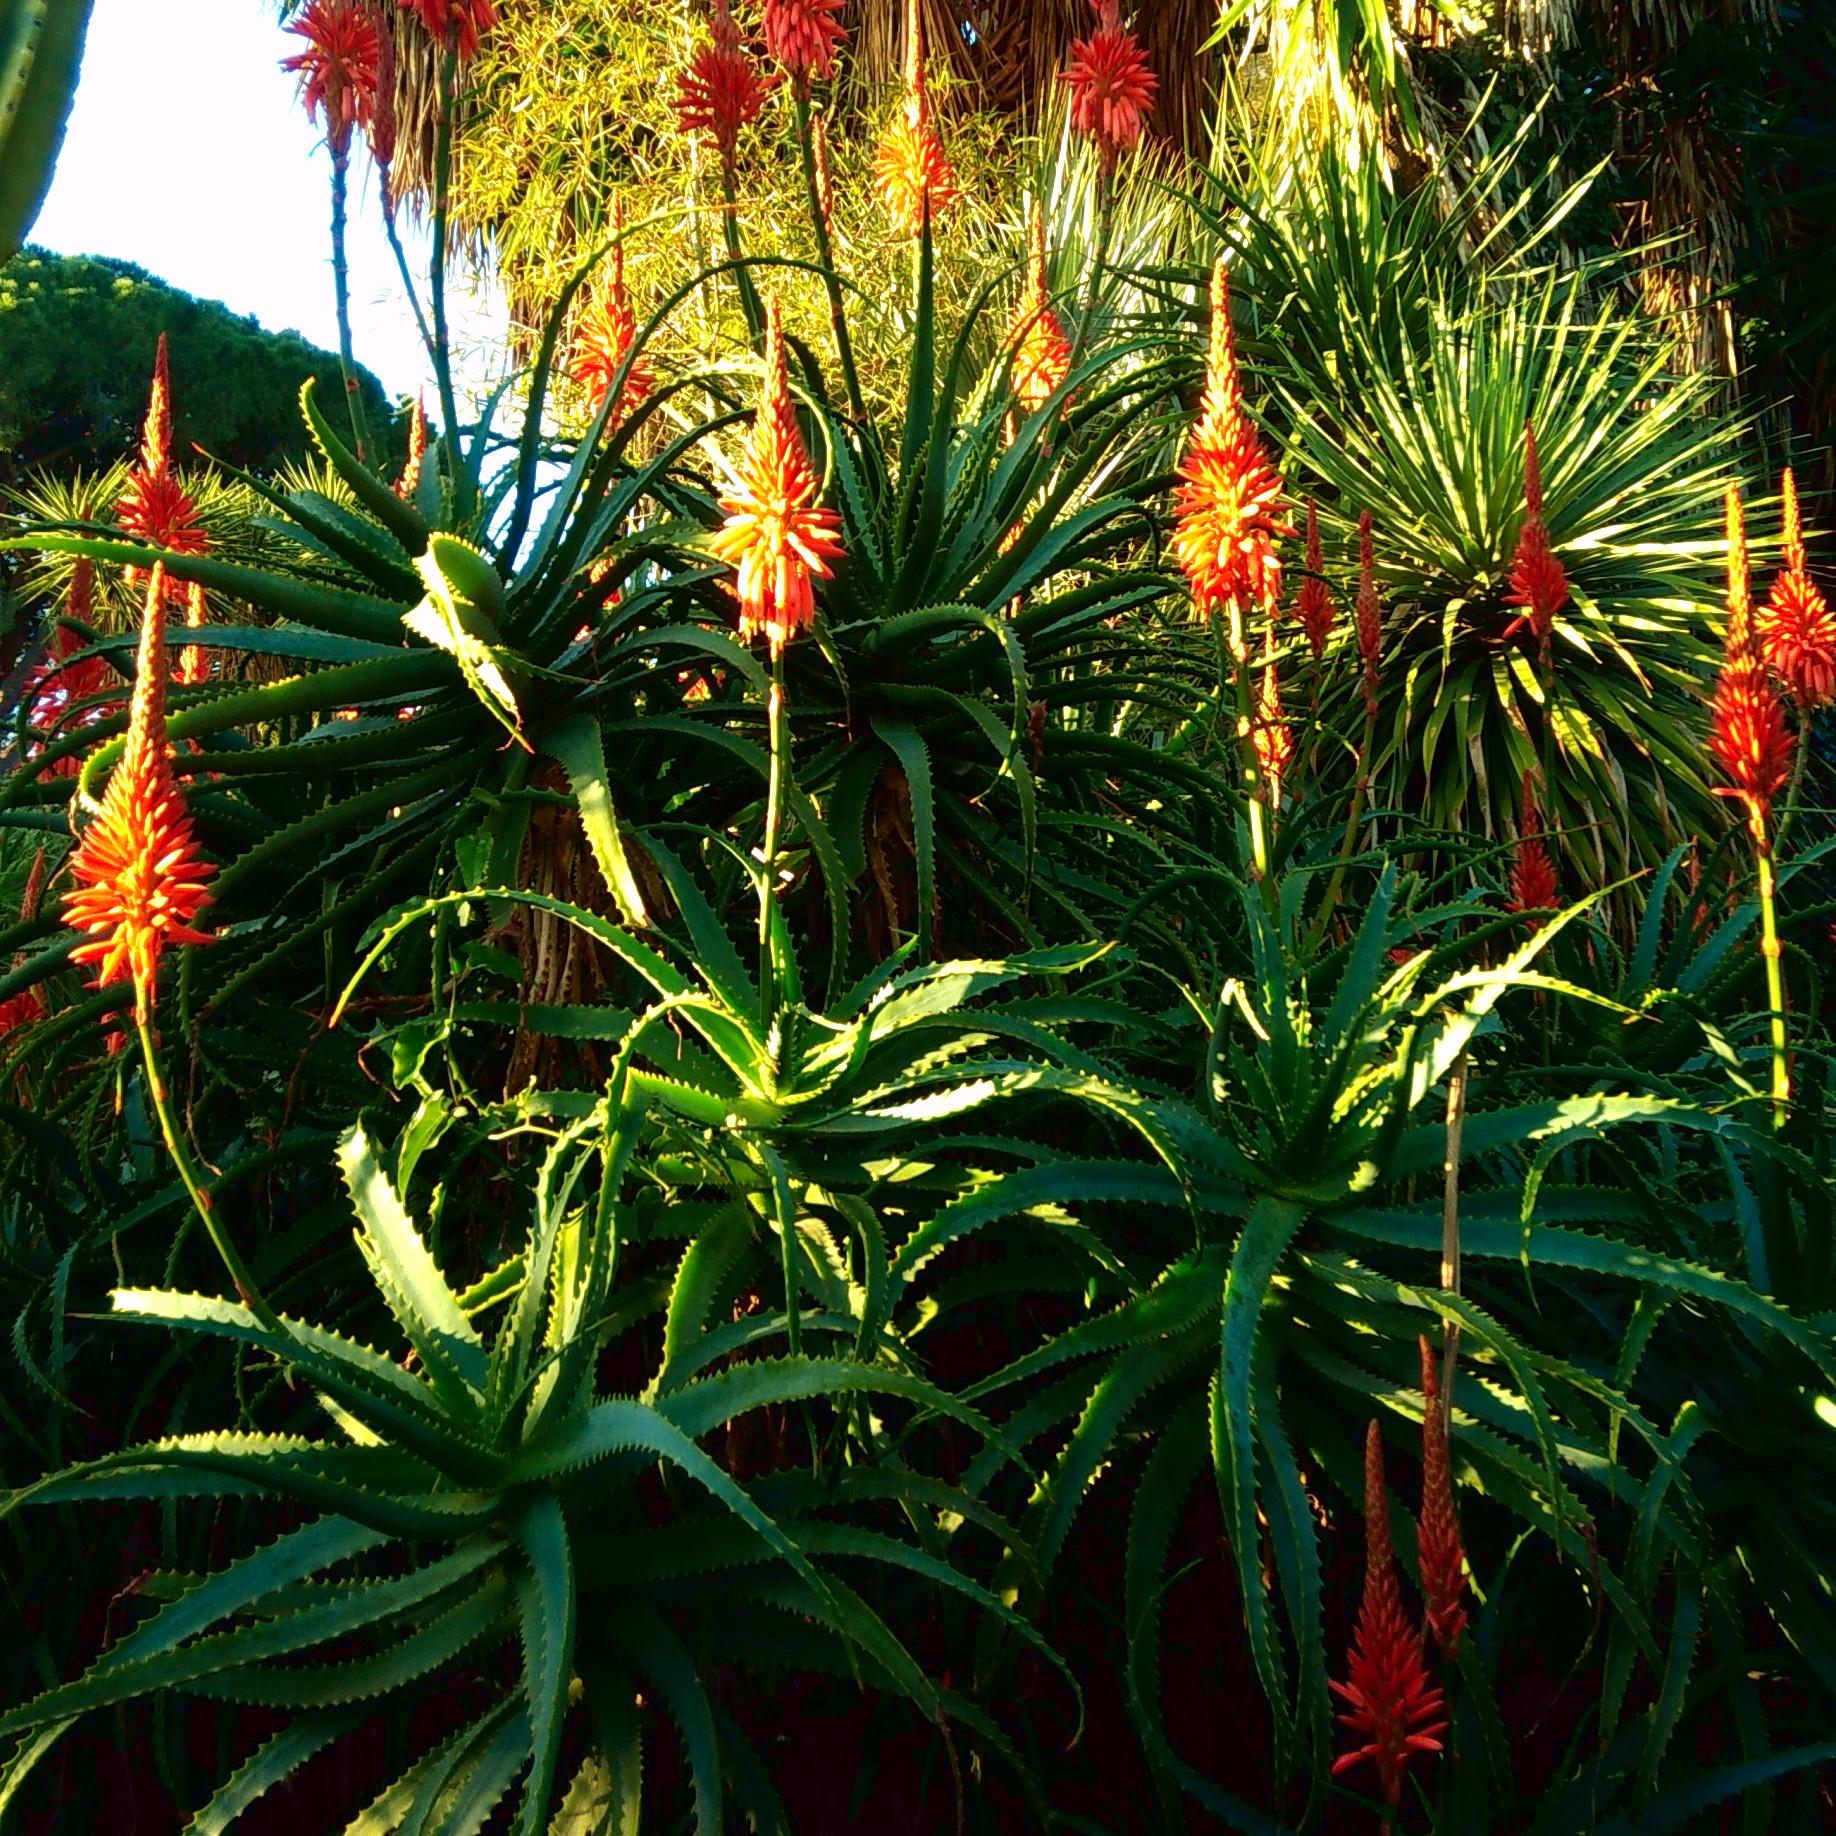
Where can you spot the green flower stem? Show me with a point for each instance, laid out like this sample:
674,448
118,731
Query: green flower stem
408,287
341,288
1361,791
1234,686
774,819
442,204
1771,950
1794,794
729,219
1106,222
193,1181
825,251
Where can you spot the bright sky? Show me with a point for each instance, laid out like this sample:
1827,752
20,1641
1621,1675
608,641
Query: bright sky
189,155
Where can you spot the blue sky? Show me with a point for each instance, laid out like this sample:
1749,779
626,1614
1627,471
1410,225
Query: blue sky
189,155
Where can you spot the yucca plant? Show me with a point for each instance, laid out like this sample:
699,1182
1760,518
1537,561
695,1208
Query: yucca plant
1634,463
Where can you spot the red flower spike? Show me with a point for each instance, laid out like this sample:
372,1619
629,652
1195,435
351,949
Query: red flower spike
1539,583
1393,1706
139,877
1228,504
722,90
1797,629
457,24
1313,605
1533,876
1112,86
34,889
1042,352
1438,1535
776,536
802,35
1273,742
57,687
382,126
340,69
1749,738
20,1010
1369,615
155,508
911,171
607,334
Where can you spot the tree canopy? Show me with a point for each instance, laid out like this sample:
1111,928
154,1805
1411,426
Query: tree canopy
77,336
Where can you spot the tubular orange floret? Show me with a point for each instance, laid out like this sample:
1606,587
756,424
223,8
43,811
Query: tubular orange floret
1369,613
1273,741
340,69
1438,1536
607,334
456,24
776,536
1042,352
1533,875
139,876
1229,501
1797,631
1393,1705
803,35
1539,583
1112,86
722,90
1313,605
1749,738
911,171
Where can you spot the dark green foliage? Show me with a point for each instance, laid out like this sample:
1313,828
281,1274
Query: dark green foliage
77,336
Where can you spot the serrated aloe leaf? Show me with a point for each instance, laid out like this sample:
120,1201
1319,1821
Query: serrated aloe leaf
546,1614
426,1309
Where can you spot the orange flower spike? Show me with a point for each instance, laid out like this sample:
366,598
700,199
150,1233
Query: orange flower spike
1313,605
410,481
911,171
1042,352
1394,1707
802,35
1112,86
1369,614
340,69
459,25
139,877
1539,583
1228,503
776,536
825,172
1749,738
722,90
193,668
1273,741
1438,1536
606,338
1797,628
1533,876
155,508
